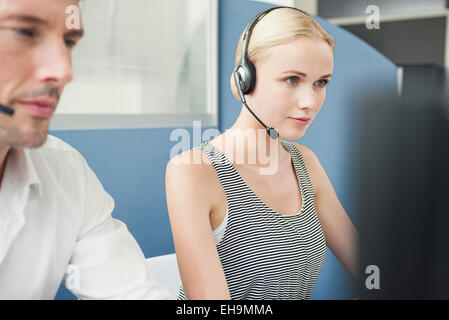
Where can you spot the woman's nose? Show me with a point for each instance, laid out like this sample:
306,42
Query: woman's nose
306,99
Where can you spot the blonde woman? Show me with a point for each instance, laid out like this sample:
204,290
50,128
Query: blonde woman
240,233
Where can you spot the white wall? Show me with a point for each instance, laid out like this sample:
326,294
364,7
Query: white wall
144,58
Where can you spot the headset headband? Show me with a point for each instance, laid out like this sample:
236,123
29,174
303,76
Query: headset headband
251,26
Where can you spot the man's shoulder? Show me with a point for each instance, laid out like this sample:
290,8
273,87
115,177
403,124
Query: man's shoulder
56,144
58,153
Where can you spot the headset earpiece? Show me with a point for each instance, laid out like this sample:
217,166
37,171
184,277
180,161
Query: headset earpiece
246,74
251,77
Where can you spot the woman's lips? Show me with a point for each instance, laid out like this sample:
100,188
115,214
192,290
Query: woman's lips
40,108
303,121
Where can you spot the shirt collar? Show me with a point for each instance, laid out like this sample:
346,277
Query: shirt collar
33,178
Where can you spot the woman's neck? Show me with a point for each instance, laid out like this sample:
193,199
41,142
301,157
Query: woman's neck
247,143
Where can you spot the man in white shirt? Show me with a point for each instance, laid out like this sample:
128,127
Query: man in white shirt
54,213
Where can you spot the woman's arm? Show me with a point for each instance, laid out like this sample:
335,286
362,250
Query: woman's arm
339,232
190,192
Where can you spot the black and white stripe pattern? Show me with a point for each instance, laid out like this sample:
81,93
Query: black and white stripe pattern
266,255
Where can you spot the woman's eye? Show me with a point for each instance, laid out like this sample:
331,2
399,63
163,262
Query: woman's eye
322,83
292,80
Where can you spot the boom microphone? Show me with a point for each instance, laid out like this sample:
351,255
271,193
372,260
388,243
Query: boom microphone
272,132
6,110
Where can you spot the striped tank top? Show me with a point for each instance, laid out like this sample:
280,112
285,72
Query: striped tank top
266,255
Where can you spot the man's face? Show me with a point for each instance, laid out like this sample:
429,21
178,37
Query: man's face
35,65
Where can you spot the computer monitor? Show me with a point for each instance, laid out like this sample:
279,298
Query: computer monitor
403,185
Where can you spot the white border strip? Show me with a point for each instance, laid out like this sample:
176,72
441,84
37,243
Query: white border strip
400,80
446,44
212,60
100,121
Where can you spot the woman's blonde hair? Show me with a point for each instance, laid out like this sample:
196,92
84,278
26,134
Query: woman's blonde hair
275,28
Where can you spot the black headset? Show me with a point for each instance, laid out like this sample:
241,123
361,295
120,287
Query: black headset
6,110
245,72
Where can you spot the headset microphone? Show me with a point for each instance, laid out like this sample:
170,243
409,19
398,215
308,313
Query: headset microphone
270,131
6,110
245,72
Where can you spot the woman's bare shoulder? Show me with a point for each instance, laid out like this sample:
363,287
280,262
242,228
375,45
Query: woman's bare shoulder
191,174
312,163
192,164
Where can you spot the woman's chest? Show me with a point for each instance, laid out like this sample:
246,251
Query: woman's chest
280,192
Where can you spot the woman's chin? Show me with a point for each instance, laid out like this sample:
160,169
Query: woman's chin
293,134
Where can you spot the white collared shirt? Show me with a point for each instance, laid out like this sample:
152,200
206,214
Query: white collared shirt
55,217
